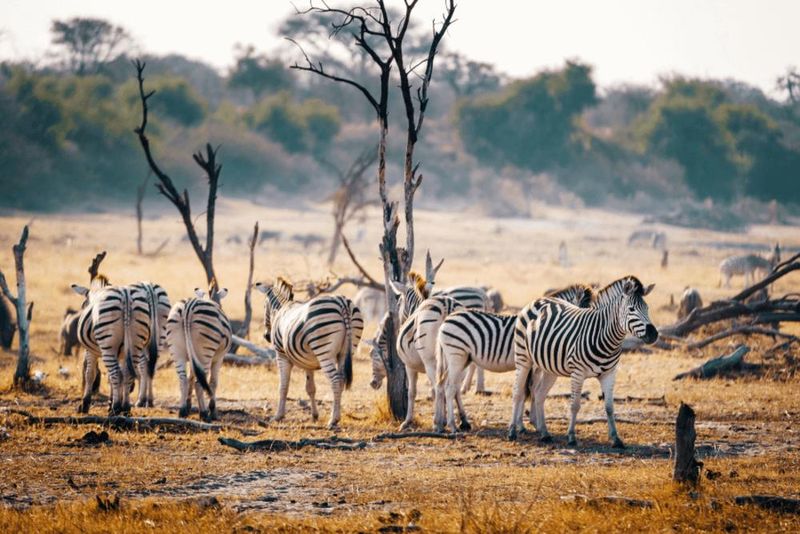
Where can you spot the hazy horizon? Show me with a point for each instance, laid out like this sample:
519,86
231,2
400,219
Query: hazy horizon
627,41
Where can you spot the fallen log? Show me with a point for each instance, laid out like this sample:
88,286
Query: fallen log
655,401
687,468
261,352
717,365
421,434
235,359
608,499
771,502
277,445
743,330
120,422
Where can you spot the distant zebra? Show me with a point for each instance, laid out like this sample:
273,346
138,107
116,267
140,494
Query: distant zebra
68,334
747,265
485,339
322,333
689,302
113,326
564,340
198,334
159,308
371,302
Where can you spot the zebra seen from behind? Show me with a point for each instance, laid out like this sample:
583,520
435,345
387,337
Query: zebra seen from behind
562,339
198,334
113,326
322,333
158,308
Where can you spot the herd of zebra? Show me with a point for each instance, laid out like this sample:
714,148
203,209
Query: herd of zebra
576,332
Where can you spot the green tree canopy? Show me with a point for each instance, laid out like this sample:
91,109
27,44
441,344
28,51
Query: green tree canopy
88,43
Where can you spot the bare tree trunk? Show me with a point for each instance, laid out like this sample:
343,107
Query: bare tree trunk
248,303
140,191
687,468
24,311
336,240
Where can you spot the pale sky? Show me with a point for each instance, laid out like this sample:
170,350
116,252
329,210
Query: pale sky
627,41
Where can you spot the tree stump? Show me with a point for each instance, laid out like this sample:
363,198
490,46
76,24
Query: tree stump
687,468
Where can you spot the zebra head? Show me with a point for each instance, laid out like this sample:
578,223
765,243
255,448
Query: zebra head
276,295
376,354
409,295
98,283
634,312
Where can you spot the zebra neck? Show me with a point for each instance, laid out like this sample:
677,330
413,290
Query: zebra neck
612,328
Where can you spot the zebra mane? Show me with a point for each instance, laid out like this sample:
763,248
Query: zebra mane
615,288
419,281
100,281
584,292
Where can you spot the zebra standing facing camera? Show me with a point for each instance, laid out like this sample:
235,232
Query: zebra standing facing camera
322,333
565,340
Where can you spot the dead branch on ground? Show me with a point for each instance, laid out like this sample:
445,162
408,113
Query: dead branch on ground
277,445
406,435
741,330
717,365
771,502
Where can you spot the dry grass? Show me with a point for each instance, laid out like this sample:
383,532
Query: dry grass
746,426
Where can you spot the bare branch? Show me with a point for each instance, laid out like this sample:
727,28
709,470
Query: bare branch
357,264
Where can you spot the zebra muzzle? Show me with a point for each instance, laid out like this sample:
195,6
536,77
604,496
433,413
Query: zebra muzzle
650,334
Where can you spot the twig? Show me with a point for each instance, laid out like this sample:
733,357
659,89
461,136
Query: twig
129,423
358,265
745,330
261,352
406,435
277,445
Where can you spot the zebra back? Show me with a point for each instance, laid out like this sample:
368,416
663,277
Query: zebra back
159,308
472,298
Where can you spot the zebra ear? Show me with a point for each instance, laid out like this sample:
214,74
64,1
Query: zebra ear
648,289
628,287
80,290
397,287
199,293
222,293
262,287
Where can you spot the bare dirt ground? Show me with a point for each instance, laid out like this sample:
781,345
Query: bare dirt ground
747,428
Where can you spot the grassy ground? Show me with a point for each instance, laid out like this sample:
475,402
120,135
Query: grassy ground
747,431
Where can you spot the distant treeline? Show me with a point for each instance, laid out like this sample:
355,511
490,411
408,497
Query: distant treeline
67,139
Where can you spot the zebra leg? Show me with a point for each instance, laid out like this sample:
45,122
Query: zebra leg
518,398
335,377
543,386
576,381
455,372
468,379
216,364
465,426
480,386
607,386
89,372
201,399
536,378
311,389
144,380
285,373
115,381
186,394
412,396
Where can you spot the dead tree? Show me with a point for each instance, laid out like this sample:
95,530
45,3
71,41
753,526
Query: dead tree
140,191
244,331
23,310
383,41
207,162
350,198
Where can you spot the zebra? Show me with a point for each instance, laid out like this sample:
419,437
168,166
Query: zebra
484,338
412,347
322,333
68,334
473,298
565,340
690,300
113,326
747,265
371,302
159,308
198,334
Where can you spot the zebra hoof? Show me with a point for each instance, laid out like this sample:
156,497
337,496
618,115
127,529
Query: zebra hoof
315,417
618,444
465,426
512,434
546,439
183,412
405,426
206,416
572,442
333,426
83,407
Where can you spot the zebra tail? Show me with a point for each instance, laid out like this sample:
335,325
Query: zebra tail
348,341
126,336
441,364
152,357
199,372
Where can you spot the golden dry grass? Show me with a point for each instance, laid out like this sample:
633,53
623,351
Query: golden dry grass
746,427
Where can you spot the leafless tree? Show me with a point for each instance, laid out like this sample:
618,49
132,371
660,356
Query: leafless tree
207,162
350,198
381,39
23,310
244,331
139,199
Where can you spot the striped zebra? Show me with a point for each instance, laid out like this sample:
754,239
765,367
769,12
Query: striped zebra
322,333
562,339
747,265
113,326
483,338
198,334
158,308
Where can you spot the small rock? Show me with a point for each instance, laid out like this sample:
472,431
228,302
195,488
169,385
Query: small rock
93,438
712,475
